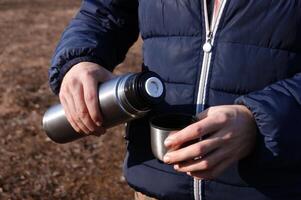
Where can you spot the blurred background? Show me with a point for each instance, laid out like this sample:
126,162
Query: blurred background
32,166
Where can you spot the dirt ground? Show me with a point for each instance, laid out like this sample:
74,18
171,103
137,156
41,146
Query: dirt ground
32,166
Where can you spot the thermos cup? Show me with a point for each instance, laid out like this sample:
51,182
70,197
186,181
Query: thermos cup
121,99
161,127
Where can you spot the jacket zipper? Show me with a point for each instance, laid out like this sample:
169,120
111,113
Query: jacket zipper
207,47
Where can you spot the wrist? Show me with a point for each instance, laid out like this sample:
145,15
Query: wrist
250,128
99,72
246,111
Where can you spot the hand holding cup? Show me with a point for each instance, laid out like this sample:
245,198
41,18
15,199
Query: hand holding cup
229,134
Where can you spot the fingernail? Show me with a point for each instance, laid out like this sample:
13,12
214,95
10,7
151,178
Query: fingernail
166,159
98,123
168,142
176,167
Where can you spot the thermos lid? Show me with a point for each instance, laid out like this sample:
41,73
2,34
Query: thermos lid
145,89
154,87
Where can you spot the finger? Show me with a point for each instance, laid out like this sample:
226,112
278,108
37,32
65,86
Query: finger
75,116
214,172
91,100
68,116
81,109
192,132
205,163
202,115
199,149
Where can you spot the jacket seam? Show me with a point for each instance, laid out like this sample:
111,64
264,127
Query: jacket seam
171,36
239,93
257,46
179,83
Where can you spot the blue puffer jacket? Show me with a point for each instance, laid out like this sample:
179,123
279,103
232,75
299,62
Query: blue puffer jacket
255,60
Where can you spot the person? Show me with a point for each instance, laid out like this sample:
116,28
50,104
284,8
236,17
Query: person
239,73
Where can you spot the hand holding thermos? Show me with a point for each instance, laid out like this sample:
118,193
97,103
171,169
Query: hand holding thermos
78,96
89,107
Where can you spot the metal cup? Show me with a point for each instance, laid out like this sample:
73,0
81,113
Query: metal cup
162,125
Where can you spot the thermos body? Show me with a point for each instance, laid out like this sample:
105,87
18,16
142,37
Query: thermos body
57,126
113,105
121,99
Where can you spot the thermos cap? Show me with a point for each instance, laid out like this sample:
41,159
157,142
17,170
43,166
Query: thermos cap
154,87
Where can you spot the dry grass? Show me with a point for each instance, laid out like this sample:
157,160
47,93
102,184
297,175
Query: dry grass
31,166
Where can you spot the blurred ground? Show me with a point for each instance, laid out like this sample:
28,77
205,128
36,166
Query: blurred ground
31,166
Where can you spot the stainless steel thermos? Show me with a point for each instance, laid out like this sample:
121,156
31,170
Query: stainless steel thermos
121,99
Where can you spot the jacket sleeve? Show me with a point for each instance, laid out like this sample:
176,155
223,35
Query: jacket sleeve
101,32
277,111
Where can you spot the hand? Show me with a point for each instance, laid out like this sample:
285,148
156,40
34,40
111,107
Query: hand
230,134
79,97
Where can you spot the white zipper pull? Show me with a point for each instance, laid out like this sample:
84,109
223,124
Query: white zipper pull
207,47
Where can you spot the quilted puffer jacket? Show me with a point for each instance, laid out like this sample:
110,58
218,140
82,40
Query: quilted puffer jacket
252,57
